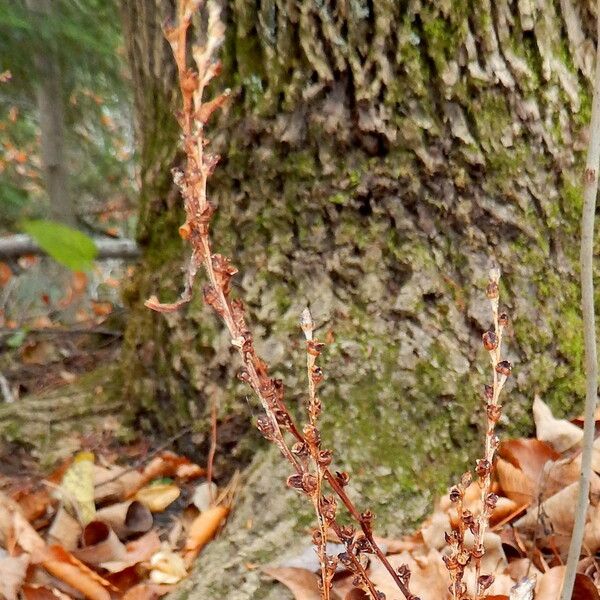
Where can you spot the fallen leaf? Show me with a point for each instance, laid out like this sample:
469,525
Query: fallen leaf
41,592
157,497
167,567
428,580
12,574
203,529
77,487
65,530
73,572
529,455
550,584
100,545
204,495
5,273
560,433
302,583
514,483
147,591
138,551
126,518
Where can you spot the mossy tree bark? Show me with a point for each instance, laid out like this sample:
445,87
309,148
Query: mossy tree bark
375,155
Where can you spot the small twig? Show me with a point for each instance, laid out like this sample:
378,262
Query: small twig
142,461
213,446
588,213
7,394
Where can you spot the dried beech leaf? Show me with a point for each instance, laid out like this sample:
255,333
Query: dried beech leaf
126,518
100,544
138,551
73,572
167,567
12,574
41,592
147,591
514,483
65,530
550,583
529,455
203,529
77,487
157,497
560,433
301,582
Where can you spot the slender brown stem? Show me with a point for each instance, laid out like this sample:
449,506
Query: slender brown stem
213,447
589,327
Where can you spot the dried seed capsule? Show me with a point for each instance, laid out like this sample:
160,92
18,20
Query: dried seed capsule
309,483
485,581
455,494
488,392
300,449
342,477
483,467
504,368
266,427
325,457
491,500
312,435
492,291
503,319
466,479
490,340
295,481
467,517
493,412
404,573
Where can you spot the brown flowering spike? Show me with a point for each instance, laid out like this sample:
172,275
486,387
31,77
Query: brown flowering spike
504,368
490,340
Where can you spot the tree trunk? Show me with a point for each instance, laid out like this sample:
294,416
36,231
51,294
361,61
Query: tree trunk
375,156
50,101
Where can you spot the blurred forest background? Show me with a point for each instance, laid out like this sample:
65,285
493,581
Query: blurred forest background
375,155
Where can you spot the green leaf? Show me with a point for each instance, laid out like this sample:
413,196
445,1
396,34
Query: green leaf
65,245
16,339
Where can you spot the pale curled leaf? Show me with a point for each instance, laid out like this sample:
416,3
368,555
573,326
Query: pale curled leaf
301,582
12,575
560,433
523,590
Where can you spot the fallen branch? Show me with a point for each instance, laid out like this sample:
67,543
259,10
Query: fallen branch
21,244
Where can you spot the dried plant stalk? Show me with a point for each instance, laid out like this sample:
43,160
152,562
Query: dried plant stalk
192,180
461,555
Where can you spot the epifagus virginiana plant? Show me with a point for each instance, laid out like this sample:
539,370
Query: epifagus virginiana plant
463,555
308,459
311,473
